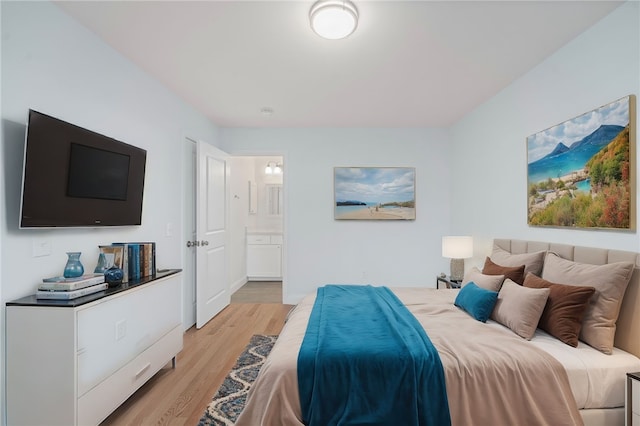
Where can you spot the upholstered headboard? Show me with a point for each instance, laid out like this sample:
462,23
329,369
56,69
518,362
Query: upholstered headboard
628,325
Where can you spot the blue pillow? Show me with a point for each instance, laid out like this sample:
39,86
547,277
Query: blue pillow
478,302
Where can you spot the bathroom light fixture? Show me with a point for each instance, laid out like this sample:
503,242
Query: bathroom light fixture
273,168
333,19
457,249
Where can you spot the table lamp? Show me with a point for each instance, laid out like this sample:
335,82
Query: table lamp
457,249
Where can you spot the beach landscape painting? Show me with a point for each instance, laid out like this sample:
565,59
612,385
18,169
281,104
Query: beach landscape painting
374,193
581,173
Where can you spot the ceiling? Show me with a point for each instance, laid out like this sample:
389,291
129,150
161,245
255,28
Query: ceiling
408,64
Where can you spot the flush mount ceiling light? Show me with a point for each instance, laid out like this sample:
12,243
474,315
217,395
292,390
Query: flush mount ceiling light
333,19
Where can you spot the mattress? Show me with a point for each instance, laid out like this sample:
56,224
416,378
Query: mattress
597,380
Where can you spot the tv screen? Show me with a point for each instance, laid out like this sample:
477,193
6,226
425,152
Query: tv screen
74,177
96,173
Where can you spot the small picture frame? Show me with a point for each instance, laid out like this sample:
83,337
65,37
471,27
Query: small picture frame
115,254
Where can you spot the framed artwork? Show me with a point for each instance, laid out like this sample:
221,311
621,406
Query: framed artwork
374,193
114,255
581,173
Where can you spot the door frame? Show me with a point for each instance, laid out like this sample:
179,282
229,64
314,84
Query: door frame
188,254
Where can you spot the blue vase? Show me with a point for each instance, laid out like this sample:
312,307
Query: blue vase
113,276
102,264
74,267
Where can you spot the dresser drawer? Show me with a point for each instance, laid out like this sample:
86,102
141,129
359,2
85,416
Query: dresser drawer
635,396
258,239
113,333
97,404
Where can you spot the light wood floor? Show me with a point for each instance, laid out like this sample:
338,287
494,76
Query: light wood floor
259,292
179,396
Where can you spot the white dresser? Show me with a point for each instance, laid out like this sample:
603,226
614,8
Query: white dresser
632,406
264,256
74,362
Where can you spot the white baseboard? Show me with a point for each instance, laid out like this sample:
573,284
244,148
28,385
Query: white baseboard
239,283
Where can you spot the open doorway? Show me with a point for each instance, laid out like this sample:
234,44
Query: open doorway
257,216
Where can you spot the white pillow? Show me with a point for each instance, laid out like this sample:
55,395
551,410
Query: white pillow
488,282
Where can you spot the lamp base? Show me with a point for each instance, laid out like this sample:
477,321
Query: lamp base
457,269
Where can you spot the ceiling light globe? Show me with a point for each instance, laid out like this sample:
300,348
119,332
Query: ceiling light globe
333,19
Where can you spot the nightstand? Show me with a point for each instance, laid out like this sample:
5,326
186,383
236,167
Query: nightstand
632,404
448,283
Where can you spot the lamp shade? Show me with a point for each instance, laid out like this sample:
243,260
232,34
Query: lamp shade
457,247
333,19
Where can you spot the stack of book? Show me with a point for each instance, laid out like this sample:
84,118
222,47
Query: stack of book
139,259
62,288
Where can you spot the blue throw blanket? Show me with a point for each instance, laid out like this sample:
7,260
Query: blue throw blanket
366,360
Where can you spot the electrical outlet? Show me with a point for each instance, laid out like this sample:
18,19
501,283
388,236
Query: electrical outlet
121,329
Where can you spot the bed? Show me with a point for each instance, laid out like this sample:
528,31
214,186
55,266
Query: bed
560,384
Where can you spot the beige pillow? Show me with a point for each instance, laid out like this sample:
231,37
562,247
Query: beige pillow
488,282
532,261
520,308
610,282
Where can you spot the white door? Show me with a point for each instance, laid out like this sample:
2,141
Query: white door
212,284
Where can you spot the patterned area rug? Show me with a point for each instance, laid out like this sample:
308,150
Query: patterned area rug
228,402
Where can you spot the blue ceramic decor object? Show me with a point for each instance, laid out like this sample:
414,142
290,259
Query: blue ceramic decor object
102,264
113,276
74,267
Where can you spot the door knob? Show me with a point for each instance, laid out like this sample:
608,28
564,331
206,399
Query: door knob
193,243
204,243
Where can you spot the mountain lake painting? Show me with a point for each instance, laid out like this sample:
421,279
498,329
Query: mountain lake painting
374,193
581,173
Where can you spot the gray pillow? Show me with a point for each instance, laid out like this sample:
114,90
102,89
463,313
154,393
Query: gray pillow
488,282
532,261
610,281
520,308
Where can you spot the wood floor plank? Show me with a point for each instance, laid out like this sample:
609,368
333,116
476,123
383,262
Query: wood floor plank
259,292
179,396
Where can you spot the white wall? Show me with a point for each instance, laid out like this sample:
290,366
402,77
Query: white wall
489,145
320,250
52,64
242,170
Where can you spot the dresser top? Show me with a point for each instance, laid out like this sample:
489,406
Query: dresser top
33,301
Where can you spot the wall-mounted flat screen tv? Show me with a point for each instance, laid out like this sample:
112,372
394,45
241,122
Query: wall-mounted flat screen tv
74,177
